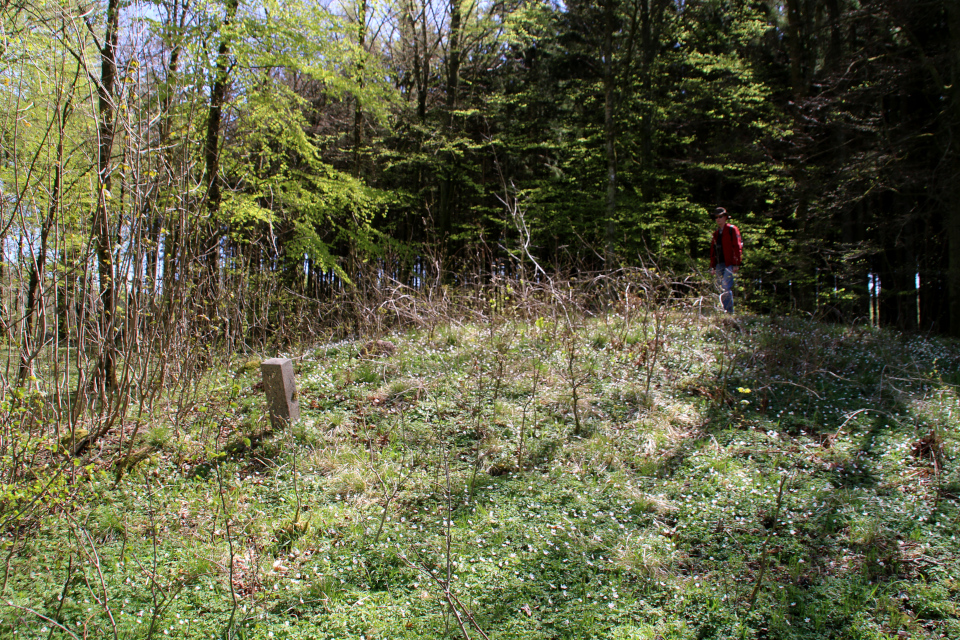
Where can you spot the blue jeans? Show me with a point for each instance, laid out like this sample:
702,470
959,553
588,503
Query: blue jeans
725,282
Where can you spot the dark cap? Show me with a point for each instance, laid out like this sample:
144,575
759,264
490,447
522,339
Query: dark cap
719,212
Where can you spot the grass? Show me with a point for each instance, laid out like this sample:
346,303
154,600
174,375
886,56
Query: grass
777,478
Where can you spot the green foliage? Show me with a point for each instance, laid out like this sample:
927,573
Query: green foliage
315,206
685,140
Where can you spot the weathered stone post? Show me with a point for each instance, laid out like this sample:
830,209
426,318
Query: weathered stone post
281,391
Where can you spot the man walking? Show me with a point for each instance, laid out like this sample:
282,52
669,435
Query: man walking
726,251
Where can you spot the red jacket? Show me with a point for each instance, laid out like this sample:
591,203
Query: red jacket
732,246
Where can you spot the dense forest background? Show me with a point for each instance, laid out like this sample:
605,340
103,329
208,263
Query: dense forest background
195,175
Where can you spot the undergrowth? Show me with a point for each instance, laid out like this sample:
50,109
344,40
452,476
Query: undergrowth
675,476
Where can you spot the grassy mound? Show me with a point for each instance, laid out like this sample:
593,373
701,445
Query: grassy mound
676,477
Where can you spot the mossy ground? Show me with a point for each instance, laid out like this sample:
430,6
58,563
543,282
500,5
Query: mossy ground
757,478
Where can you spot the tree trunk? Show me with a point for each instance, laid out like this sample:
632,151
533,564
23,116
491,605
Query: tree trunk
452,90
35,304
210,246
610,132
157,229
934,298
651,14
358,106
952,163
795,47
107,366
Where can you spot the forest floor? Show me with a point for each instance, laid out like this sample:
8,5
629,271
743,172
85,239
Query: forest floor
663,475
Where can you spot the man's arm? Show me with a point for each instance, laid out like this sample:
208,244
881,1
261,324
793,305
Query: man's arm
736,249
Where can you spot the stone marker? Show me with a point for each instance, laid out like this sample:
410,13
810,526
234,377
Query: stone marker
281,391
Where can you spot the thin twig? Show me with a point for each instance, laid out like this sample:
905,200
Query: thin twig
855,414
795,384
766,544
226,520
42,617
451,598
63,592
